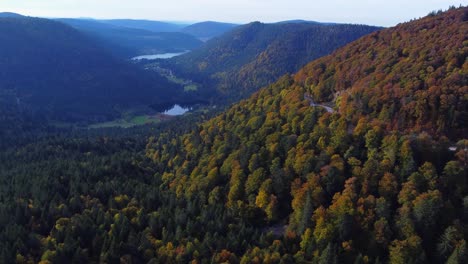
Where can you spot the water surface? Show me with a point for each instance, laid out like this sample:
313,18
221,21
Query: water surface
158,56
176,110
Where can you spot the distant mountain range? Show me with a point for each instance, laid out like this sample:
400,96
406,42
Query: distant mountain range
130,38
129,42
202,30
150,25
143,41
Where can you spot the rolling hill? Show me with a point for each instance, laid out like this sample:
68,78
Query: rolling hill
54,68
208,29
130,42
254,55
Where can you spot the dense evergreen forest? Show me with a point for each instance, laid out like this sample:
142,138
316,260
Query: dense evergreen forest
51,166
360,157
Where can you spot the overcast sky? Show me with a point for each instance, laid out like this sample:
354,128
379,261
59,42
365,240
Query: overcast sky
374,12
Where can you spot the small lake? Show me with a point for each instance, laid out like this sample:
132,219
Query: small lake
158,56
176,110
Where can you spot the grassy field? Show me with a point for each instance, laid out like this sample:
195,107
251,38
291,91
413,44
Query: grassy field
136,116
128,122
191,88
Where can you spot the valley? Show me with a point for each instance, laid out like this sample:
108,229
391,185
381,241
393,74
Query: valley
145,141
251,56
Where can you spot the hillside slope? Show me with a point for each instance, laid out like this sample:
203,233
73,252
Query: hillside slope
254,55
380,178
56,69
412,76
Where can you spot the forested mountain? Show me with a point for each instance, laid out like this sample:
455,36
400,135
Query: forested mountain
208,29
48,66
130,42
360,157
411,77
379,178
150,25
254,55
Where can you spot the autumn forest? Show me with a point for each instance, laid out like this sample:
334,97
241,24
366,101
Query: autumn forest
360,156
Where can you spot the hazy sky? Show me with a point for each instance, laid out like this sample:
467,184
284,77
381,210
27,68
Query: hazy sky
375,12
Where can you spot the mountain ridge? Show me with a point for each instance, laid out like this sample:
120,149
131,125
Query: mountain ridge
256,54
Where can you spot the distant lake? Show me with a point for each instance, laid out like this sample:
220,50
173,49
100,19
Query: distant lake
176,110
159,56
